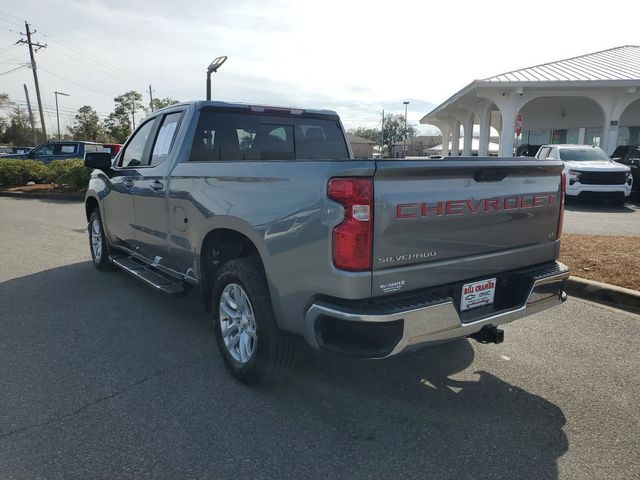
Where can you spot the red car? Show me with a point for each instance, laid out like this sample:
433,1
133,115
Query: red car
112,148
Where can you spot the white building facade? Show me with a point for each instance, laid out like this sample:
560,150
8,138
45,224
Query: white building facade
593,99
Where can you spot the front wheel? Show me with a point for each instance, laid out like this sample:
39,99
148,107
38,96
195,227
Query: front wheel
252,346
98,242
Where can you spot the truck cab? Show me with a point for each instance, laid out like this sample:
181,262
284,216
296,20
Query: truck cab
63,150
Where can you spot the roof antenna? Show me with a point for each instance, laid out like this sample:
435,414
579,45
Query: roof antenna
215,65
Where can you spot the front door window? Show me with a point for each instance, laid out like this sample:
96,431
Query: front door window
43,150
135,150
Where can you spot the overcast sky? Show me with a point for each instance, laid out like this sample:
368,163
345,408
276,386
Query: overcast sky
353,57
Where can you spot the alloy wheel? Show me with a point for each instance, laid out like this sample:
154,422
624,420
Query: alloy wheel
237,323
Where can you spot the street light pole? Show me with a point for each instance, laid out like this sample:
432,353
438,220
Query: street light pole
404,141
57,114
213,68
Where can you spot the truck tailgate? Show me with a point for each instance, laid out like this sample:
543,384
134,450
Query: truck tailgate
442,221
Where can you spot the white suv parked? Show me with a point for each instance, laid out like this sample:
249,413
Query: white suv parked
590,172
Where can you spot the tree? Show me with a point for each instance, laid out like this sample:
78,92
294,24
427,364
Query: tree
159,103
86,125
18,131
394,130
368,133
117,126
129,102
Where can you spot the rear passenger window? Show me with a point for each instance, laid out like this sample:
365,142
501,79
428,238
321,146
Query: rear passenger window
227,136
93,148
65,149
552,155
165,138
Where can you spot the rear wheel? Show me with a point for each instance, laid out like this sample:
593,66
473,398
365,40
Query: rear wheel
98,242
252,346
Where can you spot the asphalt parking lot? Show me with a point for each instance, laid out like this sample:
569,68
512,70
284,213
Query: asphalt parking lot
601,218
103,378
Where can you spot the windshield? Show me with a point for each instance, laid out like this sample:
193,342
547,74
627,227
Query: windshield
587,154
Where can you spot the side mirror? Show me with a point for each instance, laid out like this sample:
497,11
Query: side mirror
98,160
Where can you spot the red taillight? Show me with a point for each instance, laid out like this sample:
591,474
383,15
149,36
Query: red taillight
353,238
563,189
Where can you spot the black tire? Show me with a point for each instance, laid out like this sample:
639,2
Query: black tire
100,259
274,354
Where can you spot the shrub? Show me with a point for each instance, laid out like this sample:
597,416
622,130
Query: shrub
71,174
12,172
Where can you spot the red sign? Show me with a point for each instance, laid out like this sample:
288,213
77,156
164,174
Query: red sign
518,124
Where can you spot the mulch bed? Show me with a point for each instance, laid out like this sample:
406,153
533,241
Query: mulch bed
608,259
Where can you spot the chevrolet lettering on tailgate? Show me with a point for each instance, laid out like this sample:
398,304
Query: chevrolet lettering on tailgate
463,207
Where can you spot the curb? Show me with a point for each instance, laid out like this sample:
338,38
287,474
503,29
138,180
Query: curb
618,297
75,197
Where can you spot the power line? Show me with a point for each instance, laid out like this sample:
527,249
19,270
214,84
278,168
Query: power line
13,24
78,84
135,80
14,69
6,49
102,70
70,112
5,62
6,14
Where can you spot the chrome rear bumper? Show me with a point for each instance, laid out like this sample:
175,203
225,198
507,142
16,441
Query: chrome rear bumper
438,319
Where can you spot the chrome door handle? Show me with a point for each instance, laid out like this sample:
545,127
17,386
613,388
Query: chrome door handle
156,185
128,183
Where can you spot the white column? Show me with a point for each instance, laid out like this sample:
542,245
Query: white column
485,132
446,131
455,139
609,140
582,132
468,135
508,112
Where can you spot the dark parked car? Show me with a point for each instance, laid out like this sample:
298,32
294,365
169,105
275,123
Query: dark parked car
50,151
527,150
4,151
629,155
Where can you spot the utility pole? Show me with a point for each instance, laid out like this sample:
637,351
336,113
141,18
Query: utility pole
150,98
382,136
57,114
404,140
35,72
33,125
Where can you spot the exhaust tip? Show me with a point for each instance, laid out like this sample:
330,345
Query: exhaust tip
563,296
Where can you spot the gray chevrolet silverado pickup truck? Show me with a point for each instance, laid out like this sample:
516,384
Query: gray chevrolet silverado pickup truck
266,211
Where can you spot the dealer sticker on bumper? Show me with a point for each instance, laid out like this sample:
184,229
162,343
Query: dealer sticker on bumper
477,294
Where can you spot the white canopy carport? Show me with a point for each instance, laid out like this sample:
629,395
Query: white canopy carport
597,92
